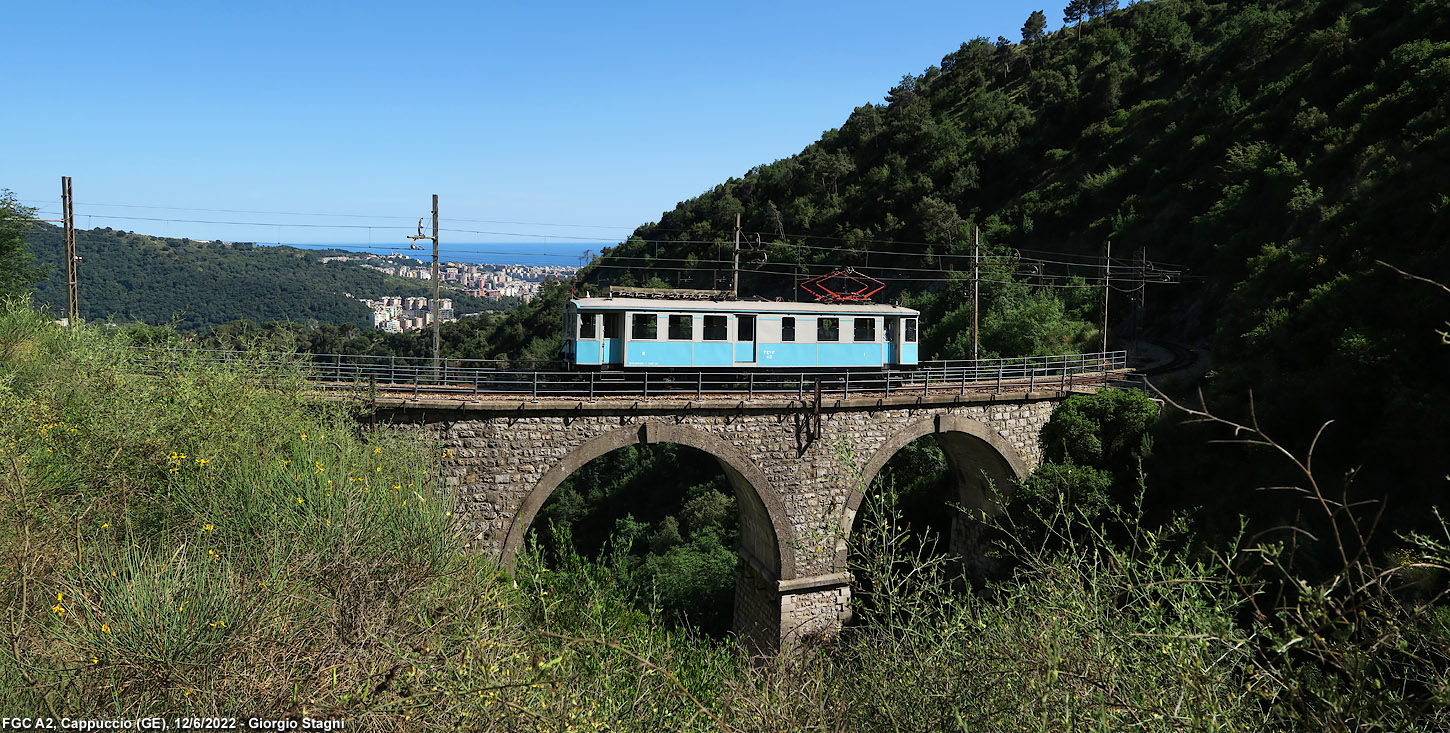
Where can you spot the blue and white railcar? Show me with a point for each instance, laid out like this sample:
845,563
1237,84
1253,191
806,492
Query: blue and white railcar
610,333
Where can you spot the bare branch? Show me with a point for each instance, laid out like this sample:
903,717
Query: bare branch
1289,527
1413,277
1315,442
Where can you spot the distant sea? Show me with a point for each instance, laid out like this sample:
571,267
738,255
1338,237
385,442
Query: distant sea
570,254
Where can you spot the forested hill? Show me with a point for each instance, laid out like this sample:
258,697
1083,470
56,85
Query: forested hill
1271,148
126,277
1276,150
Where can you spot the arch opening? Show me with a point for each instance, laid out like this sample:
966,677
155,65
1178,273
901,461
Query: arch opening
946,475
693,526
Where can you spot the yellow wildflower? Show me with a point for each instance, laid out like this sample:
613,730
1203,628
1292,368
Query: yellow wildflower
304,436
59,609
299,500
377,450
105,525
207,527
106,628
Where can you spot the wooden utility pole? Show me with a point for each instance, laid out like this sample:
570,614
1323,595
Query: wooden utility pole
433,306
735,270
976,268
1107,273
1142,309
73,307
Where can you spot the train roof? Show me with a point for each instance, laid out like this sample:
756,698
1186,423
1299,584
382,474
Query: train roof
741,306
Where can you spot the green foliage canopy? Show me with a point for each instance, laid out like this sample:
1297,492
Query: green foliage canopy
17,274
194,286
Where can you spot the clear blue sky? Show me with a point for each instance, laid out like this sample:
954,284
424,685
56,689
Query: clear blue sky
569,113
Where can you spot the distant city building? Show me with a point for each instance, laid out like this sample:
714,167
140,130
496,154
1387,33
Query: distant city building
396,314
484,280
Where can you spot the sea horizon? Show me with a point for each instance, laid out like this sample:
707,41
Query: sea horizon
565,254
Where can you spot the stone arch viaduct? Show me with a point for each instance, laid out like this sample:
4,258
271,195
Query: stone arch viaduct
798,468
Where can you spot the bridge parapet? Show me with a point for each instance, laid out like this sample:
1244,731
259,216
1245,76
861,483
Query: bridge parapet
544,380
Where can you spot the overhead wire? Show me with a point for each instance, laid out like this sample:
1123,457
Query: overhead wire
959,278
1087,260
348,216
1135,266
651,225
647,262
555,237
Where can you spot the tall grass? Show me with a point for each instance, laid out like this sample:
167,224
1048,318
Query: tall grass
215,541
201,538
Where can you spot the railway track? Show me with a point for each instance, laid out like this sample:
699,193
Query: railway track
1182,358
479,380
860,388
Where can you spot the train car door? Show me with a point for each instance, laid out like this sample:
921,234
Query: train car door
588,349
893,340
744,339
613,343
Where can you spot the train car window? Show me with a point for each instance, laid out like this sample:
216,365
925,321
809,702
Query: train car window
715,328
787,329
911,330
828,329
744,328
682,328
891,330
646,326
586,325
614,325
866,329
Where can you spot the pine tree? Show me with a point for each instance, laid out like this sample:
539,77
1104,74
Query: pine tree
1073,14
1032,30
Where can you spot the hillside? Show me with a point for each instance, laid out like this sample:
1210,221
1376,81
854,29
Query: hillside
211,544
127,277
1273,151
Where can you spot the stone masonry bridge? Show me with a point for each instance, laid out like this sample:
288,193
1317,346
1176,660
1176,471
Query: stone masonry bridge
798,469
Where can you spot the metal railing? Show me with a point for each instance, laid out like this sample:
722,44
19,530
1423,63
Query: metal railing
541,380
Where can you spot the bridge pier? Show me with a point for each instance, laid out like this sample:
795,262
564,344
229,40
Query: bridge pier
798,471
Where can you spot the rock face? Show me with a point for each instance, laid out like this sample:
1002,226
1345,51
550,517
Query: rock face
798,470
